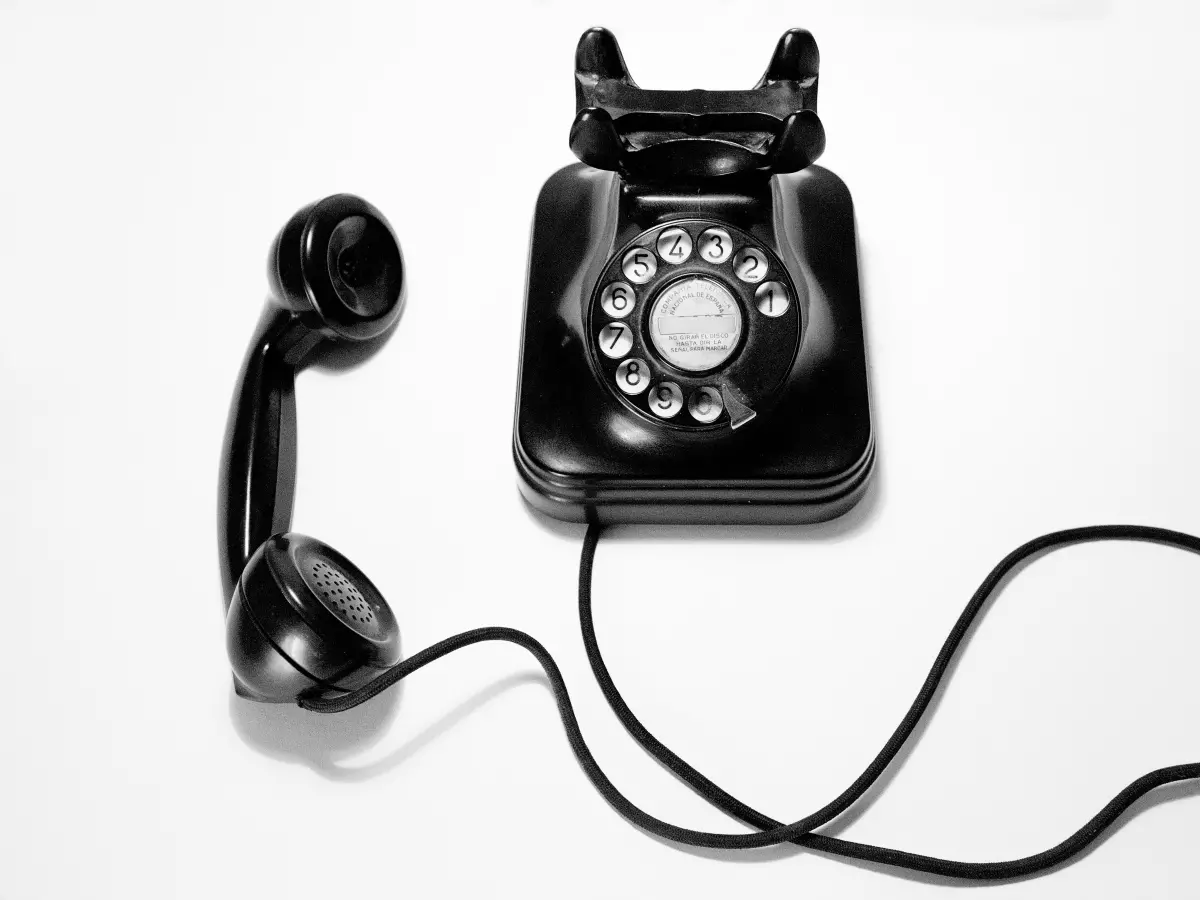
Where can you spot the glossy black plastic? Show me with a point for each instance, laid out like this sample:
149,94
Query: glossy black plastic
663,135
301,618
305,620
336,275
582,455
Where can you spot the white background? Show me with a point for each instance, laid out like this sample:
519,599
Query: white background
1025,177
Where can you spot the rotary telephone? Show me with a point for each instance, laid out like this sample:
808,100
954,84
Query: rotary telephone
693,342
692,351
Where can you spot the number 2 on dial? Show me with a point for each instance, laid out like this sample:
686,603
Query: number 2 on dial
639,265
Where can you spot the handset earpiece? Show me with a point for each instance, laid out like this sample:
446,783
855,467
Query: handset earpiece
300,616
337,265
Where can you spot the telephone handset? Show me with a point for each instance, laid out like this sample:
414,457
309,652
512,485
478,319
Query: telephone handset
693,343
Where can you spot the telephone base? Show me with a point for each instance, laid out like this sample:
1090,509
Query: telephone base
584,452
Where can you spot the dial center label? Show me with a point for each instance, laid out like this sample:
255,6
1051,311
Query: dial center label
695,324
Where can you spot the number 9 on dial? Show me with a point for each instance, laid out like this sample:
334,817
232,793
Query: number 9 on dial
666,399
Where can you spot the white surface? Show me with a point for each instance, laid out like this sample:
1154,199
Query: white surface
1026,185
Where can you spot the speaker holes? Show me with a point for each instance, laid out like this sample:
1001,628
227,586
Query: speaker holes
341,597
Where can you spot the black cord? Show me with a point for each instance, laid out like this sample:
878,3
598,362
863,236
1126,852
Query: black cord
801,831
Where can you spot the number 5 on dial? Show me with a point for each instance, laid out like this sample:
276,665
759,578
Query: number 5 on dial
639,265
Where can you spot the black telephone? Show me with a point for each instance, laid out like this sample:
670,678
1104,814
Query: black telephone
693,343
693,351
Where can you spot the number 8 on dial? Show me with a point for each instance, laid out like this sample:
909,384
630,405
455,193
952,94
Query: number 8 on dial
633,376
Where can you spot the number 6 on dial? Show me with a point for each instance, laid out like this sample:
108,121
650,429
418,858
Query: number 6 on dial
617,299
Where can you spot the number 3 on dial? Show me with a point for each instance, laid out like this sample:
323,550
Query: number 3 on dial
715,245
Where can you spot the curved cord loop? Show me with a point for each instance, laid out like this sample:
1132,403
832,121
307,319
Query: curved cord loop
801,831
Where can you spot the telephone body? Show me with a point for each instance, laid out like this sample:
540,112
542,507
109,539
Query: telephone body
692,346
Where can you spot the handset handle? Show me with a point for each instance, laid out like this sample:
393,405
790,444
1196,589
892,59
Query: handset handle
336,274
258,461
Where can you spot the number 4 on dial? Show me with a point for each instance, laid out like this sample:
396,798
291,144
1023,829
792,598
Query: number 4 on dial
674,245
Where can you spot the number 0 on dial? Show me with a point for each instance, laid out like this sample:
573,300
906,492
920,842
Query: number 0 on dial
705,405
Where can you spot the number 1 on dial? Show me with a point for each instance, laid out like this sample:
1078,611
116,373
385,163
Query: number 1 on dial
772,299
